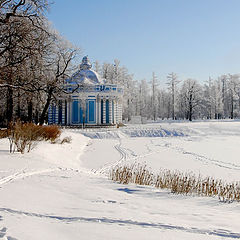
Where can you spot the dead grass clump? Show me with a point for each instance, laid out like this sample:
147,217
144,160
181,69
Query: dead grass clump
132,174
177,182
3,133
23,136
51,132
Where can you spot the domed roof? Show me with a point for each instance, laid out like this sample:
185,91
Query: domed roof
85,75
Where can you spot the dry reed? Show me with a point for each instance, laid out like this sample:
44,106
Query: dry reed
177,182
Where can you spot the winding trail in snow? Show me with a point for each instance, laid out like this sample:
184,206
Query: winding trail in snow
23,174
123,153
124,156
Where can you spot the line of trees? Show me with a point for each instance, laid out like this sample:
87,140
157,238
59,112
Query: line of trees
179,99
34,60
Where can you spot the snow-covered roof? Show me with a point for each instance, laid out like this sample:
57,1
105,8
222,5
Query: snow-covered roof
85,75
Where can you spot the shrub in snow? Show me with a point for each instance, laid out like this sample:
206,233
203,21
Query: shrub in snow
3,133
51,132
23,136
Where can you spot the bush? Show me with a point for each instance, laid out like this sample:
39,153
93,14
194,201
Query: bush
51,132
3,133
23,136
177,182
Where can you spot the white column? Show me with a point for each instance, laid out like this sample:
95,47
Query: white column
120,111
110,111
80,108
116,111
56,113
83,106
98,110
63,112
50,114
104,111
68,112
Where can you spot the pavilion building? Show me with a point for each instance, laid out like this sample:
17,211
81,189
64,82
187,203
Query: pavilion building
89,100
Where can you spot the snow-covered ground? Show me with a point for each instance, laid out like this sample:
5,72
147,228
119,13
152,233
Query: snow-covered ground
63,192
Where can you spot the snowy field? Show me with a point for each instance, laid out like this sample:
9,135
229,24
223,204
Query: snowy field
60,192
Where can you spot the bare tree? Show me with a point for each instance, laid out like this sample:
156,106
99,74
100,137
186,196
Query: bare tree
21,28
59,66
191,94
154,86
172,85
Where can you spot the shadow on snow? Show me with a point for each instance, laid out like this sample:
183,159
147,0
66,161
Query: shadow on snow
218,232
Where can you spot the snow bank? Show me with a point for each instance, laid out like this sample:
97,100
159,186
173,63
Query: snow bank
133,132
154,132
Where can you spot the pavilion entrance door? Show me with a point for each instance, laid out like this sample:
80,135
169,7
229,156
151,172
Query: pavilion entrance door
78,116
91,107
75,111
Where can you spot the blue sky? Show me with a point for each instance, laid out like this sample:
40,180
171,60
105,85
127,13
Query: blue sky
194,38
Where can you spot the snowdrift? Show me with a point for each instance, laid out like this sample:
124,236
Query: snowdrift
133,132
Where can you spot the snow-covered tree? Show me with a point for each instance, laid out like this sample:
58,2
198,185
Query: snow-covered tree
191,94
154,85
172,82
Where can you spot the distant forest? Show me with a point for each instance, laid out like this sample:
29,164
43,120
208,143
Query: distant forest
179,99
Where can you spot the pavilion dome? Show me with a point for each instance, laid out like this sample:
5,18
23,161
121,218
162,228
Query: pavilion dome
85,75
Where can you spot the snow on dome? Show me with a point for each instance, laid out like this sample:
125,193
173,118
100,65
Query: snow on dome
85,63
85,75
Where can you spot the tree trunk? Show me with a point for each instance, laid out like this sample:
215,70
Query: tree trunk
45,109
190,113
9,105
231,107
30,111
36,117
190,108
18,107
173,101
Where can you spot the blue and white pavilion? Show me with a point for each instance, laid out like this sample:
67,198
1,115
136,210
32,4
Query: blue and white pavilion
92,103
